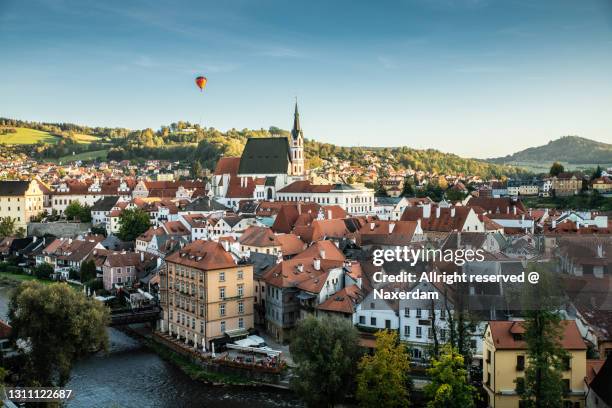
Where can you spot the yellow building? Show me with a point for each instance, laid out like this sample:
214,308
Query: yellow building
20,200
206,296
505,360
566,184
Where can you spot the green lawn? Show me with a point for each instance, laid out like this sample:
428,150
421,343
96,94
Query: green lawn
17,277
95,154
32,136
28,136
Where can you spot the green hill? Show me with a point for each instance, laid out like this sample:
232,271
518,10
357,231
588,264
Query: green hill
19,136
574,150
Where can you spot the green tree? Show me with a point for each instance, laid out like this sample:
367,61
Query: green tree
133,223
196,169
61,325
543,383
556,169
7,227
383,377
596,173
449,386
88,271
408,188
43,271
326,352
77,211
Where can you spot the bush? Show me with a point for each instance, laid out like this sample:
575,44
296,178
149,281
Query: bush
43,271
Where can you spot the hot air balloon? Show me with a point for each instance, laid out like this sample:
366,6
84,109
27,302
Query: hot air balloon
201,82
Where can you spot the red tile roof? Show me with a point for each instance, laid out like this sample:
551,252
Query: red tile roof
503,339
203,255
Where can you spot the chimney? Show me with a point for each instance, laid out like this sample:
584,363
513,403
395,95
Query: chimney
391,227
554,224
372,226
279,258
225,244
142,257
322,253
508,210
514,209
299,208
300,267
452,211
317,264
426,211
329,214
437,212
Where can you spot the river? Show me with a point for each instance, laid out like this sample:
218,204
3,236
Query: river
129,375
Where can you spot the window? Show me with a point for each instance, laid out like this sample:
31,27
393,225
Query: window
240,290
566,363
566,386
520,384
223,327
362,320
419,332
488,356
520,363
222,293
240,307
387,324
240,275
406,331
221,276
221,309
442,334
240,323
418,313
488,379
407,312
372,321
430,333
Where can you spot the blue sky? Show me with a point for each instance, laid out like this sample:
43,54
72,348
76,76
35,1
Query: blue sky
475,77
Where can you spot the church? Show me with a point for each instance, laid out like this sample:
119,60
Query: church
266,166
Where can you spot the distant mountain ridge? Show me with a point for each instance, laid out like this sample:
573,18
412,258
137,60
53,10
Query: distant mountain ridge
570,149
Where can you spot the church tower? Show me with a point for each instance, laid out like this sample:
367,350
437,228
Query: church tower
297,146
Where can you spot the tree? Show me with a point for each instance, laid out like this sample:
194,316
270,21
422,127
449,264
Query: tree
133,223
43,271
596,173
543,382
383,376
556,169
60,324
196,169
7,227
449,387
326,353
408,188
76,211
88,271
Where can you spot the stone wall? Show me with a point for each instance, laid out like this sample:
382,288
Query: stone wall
58,229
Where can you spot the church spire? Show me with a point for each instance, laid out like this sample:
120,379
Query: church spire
297,130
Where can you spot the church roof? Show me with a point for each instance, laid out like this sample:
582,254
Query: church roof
268,155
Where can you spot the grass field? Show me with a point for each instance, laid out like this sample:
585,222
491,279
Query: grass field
28,136
95,154
31,136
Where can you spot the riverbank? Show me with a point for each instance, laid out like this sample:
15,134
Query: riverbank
194,370
15,279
